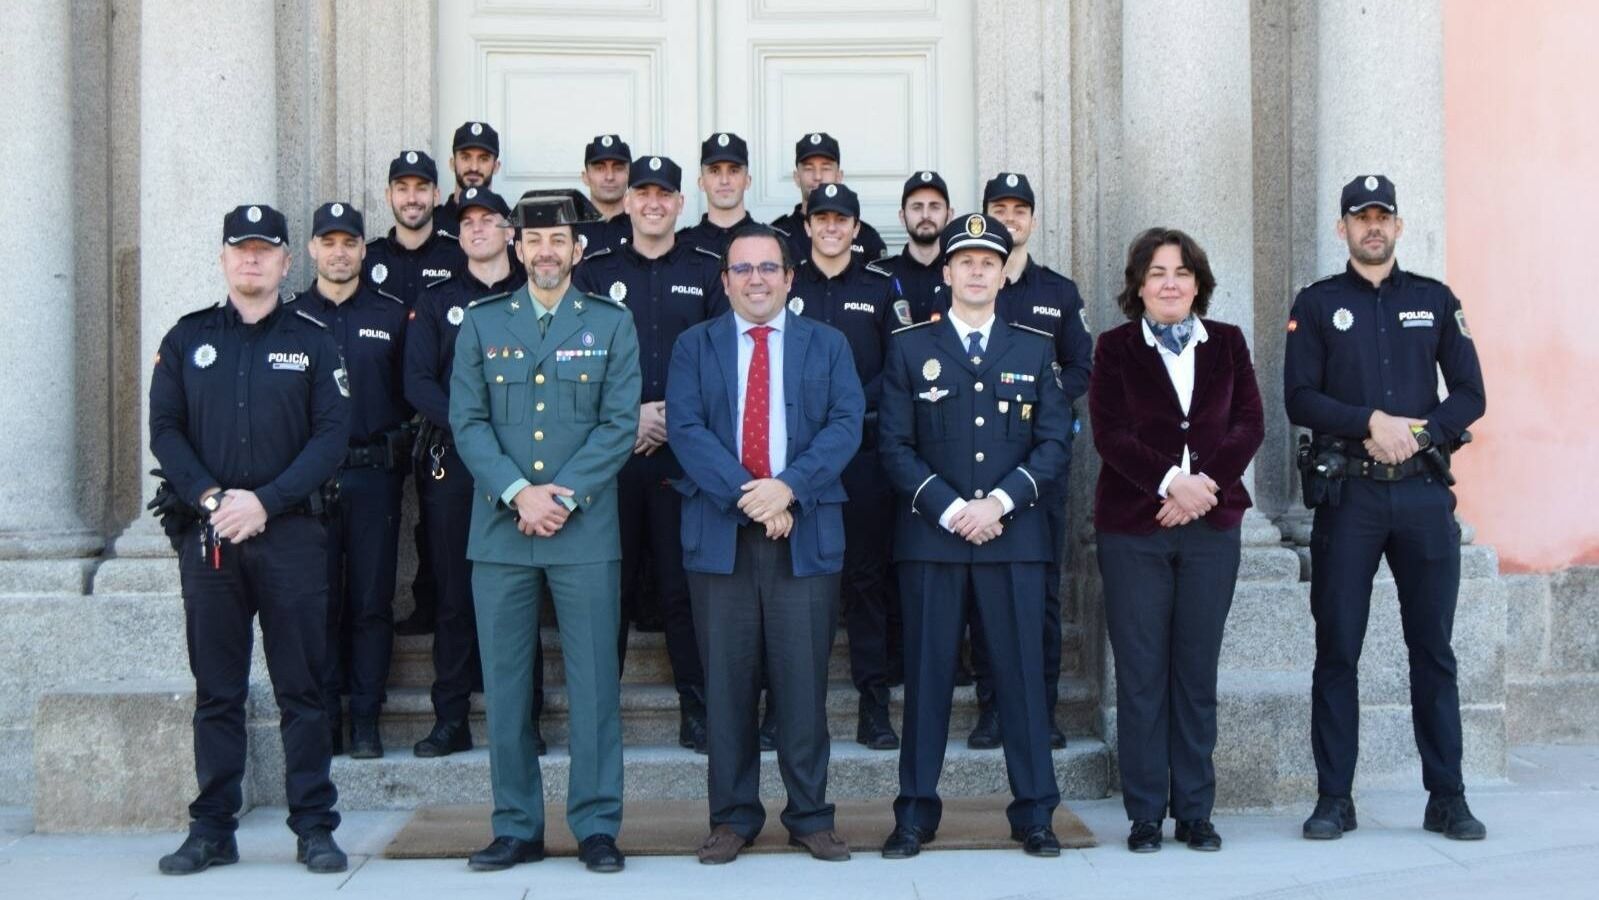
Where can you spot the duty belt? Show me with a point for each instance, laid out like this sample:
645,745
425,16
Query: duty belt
370,455
1376,471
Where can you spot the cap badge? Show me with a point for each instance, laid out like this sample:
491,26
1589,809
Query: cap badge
605,140
477,128
253,214
337,210
380,273
411,157
796,305
655,164
204,356
926,177
931,370
1343,319
976,226
588,339
618,291
1371,182
816,139
455,316
1011,180
721,140
831,190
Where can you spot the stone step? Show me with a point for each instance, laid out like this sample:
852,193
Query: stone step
660,772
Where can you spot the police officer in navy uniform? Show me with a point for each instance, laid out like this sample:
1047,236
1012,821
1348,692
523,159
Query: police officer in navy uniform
973,425
817,162
364,530
1038,297
1364,351
607,162
918,269
669,286
249,418
443,483
725,179
840,287
415,251
474,161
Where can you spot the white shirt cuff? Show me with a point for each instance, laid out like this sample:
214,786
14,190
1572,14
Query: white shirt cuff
1166,482
949,513
1004,499
516,487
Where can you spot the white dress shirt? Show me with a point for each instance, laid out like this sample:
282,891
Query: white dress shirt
1180,368
964,332
777,433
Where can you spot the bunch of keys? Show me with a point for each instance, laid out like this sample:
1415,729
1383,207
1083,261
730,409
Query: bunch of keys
436,454
211,545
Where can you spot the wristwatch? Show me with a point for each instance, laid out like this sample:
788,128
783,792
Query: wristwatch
1423,437
212,503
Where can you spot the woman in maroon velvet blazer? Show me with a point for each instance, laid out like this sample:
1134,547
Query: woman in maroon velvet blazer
1176,418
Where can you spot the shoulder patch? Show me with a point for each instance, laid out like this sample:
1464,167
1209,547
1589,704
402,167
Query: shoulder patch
917,325
711,253
489,299
1037,331
310,318
875,268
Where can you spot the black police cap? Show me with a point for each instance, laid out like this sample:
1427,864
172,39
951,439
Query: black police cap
551,208
1367,190
414,162
607,146
724,146
476,134
976,232
257,222
485,198
924,179
1008,186
833,198
331,217
657,170
817,143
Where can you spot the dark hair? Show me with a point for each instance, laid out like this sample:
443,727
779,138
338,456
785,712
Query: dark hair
757,230
1142,252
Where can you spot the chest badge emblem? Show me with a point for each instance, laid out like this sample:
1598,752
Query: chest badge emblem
1343,319
931,370
618,291
204,356
796,305
455,316
380,273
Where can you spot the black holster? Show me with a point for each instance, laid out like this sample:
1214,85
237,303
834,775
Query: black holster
176,516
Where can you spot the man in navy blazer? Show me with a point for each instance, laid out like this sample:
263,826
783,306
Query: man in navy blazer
764,410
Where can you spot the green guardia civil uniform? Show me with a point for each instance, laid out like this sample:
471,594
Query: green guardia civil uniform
538,406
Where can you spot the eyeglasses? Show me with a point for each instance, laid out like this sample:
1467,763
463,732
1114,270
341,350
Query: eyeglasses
745,270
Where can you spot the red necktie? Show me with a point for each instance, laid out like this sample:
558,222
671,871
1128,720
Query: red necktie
757,456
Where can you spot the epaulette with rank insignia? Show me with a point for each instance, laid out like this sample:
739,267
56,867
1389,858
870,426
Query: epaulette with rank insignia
781,231
291,297
436,282
310,318
596,254
1317,281
1036,331
711,253
874,268
489,299
1427,278
917,325
213,307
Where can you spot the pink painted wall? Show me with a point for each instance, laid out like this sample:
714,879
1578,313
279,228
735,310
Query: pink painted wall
1522,182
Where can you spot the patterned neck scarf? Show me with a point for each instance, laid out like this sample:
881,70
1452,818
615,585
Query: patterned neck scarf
1173,337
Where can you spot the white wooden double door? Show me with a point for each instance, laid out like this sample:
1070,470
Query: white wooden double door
891,79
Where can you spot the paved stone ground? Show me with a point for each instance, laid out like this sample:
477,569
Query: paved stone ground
1543,842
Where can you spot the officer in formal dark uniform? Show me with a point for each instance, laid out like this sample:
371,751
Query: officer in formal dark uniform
669,286
839,287
249,418
725,179
1038,297
364,530
924,210
606,163
474,161
1361,371
443,483
817,162
973,424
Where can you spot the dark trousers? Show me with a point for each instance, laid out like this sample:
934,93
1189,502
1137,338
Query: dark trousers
363,553
867,590
1054,503
280,574
1412,523
762,616
1010,598
650,510
1167,595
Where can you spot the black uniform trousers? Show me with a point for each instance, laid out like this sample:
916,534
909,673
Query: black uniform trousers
867,590
650,510
1054,503
1412,523
280,574
363,553
1167,595
762,616
933,602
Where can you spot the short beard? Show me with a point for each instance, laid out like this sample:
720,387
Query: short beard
427,219
548,282
348,277
927,241
1366,257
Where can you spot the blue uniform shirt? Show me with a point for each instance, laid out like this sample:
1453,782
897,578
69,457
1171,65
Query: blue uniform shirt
400,273
859,301
667,295
1354,347
430,338
868,243
369,330
597,236
263,407
711,236
920,285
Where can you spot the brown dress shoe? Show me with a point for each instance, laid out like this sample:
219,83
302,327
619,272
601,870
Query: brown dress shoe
823,845
721,846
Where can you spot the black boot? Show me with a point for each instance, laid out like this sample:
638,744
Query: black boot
872,726
364,740
1332,817
986,735
691,723
320,853
198,854
444,739
1449,815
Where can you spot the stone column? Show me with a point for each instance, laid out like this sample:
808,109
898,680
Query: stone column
208,142
1187,150
39,518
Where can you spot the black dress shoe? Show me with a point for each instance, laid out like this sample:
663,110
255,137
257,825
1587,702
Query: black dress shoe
539,746
1037,840
768,733
691,725
1198,834
1144,836
1057,738
1449,815
444,739
504,853
1332,817
320,853
364,740
906,842
986,735
198,854
414,624
600,853
872,726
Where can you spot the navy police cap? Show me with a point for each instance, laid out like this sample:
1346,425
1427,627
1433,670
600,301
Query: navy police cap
476,134
1008,186
976,232
256,222
336,216
607,146
1367,190
817,143
414,162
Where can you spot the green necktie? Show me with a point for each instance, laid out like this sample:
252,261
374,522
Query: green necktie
544,323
